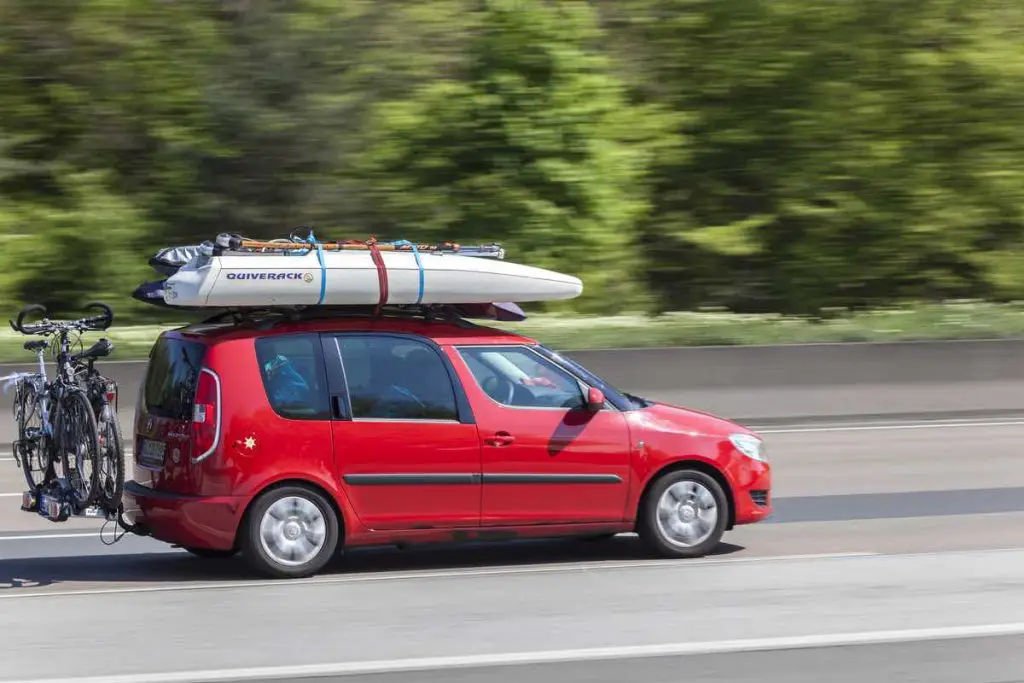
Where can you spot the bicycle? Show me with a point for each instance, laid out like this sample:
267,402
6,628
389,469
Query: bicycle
103,392
56,418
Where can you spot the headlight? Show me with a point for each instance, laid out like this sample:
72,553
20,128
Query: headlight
750,446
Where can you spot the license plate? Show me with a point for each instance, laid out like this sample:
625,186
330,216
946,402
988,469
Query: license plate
152,453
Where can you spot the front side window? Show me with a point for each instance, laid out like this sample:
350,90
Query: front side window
396,378
517,377
294,377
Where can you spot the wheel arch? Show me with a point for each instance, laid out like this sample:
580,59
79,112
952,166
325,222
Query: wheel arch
243,520
688,464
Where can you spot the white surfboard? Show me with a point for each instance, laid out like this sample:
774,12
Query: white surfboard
351,278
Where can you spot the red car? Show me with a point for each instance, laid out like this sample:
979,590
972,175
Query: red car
288,439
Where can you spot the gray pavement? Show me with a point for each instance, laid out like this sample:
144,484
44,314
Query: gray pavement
892,544
994,660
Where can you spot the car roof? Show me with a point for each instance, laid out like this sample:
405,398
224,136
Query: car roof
440,331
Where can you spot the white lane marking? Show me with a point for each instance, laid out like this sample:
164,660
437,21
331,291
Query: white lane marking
839,420
10,495
46,537
8,457
880,428
714,647
379,577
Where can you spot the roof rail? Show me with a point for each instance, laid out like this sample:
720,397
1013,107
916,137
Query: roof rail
270,316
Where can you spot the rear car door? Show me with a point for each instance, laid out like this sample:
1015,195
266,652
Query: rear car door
405,440
546,458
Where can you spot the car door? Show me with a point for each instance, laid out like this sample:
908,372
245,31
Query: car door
546,458
406,447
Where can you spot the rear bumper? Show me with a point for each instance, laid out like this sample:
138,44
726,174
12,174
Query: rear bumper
179,519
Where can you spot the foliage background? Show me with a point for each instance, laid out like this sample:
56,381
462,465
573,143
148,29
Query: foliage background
761,156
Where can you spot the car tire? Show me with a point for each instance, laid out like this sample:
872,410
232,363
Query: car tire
280,529
698,513
211,553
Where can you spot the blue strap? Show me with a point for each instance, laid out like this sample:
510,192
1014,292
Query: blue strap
416,254
314,244
323,268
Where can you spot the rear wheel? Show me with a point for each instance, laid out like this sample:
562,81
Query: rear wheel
79,446
684,515
35,463
290,532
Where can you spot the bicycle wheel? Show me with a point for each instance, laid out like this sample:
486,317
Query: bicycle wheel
79,445
111,474
35,462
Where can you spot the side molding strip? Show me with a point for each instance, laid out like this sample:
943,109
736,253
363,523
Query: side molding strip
413,479
527,478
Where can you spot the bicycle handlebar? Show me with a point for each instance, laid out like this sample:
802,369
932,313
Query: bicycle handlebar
19,326
96,322
107,319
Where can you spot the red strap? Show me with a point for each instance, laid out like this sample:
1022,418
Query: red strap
382,274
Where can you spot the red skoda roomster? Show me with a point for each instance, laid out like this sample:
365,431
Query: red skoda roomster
290,439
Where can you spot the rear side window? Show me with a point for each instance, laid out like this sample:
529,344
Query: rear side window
396,378
171,377
292,368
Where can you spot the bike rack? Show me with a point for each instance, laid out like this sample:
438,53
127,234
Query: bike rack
56,504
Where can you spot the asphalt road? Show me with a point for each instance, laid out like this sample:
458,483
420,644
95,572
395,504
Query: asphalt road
897,553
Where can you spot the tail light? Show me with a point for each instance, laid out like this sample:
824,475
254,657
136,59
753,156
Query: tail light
206,415
110,391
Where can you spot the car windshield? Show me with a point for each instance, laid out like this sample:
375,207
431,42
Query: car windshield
631,401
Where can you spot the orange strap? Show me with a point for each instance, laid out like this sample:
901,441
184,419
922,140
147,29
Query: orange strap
382,273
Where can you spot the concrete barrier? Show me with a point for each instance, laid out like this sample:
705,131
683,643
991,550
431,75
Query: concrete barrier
766,384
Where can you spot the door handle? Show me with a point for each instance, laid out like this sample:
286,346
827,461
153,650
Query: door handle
501,439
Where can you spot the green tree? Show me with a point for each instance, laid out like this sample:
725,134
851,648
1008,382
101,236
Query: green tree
534,145
829,154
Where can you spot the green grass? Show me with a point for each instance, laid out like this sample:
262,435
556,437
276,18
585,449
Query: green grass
952,320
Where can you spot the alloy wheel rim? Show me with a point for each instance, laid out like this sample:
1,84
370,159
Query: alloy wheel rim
687,514
293,531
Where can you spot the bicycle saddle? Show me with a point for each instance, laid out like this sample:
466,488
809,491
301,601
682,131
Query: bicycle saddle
98,350
36,345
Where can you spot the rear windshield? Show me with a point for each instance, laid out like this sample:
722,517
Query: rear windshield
171,378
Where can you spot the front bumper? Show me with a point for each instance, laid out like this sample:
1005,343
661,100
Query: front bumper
753,500
179,519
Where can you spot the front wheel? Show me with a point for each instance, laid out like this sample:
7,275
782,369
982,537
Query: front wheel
290,532
111,467
79,446
685,514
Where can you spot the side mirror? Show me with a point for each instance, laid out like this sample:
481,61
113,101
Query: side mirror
595,399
